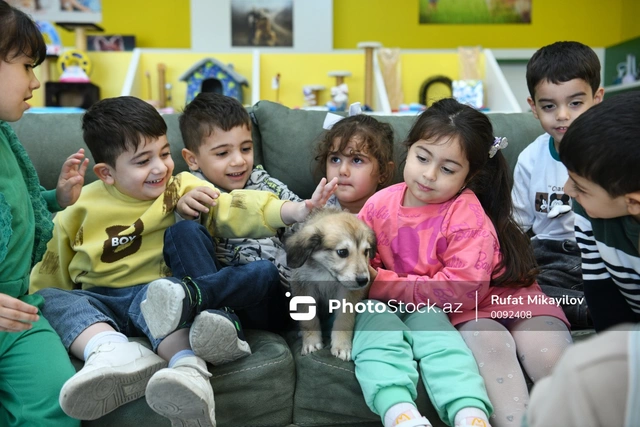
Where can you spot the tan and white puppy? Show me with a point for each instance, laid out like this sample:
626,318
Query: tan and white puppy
329,257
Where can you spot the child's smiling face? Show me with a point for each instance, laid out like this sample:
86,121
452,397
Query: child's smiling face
145,173
225,158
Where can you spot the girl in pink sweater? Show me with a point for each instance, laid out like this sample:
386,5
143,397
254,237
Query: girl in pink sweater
446,239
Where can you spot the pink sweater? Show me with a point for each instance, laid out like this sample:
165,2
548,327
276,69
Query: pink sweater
444,254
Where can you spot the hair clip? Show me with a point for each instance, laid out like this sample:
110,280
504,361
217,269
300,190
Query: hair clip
499,143
331,119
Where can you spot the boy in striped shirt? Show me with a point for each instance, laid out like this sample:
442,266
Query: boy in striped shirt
601,151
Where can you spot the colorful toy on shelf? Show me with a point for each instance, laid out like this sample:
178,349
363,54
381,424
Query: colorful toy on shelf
340,92
74,67
469,92
414,107
339,98
211,75
312,94
51,37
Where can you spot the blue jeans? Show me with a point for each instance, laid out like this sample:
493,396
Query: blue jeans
252,290
71,312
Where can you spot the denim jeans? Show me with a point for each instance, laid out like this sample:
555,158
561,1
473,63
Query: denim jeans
560,266
252,290
71,312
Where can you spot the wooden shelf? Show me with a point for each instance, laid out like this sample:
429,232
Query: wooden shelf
622,87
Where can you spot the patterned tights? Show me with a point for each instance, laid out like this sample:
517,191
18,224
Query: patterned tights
501,348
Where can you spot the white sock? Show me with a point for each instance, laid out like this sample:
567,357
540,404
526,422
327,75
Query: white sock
102,338
396,410
179,355
470,411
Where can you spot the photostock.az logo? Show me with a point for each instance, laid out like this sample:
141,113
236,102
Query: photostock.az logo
299,300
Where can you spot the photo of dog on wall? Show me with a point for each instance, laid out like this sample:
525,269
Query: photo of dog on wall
329,258
267,23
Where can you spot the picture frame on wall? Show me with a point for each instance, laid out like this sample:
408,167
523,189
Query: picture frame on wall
111,43
71,11
262,23
475,11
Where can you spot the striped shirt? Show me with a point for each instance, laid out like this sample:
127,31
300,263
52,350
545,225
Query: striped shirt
610,254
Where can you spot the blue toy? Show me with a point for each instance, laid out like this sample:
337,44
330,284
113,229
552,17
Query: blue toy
211,75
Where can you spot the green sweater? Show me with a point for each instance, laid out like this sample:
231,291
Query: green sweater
25,222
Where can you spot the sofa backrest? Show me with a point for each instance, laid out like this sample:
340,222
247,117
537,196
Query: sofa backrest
284,141
289,137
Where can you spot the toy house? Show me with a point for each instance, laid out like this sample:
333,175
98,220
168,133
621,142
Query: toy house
211,75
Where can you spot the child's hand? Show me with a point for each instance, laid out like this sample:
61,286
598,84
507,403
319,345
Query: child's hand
298,211
15,315
319,197
71,179
195,201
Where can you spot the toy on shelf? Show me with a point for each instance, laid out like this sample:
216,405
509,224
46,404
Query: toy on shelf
339,98
469,89
339,92
312,94
368,71
211,75
74,67
54,47
51,37
275,85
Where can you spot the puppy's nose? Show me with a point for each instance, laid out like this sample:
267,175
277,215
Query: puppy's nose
362,281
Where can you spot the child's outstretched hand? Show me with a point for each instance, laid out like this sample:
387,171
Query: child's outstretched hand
16,315
71,179
195,201
298,211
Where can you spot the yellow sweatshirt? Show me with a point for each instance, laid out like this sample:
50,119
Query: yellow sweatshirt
109,239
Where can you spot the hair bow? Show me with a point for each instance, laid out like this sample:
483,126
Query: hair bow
499,143
331,119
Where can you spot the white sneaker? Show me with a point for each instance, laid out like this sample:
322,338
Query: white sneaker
183,394
216,336
162,309
113,374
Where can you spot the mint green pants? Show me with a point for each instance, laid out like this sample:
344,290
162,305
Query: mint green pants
33,367
391,350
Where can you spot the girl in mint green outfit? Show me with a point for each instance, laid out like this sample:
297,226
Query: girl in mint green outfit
33,362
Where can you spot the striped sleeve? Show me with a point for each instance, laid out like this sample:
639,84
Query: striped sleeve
593,266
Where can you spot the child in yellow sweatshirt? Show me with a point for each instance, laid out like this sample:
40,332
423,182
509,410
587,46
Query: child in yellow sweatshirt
108,247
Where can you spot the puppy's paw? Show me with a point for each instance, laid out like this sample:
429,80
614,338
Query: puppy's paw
310,343
343,353
310,348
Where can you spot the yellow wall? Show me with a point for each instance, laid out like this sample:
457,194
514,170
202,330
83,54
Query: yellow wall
157,23
630,16
395,24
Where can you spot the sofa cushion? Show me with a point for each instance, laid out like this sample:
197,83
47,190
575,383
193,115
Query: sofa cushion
256,390
328,393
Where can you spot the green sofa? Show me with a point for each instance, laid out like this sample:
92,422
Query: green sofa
275,386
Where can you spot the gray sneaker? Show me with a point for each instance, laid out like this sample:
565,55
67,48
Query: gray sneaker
113,374
216,336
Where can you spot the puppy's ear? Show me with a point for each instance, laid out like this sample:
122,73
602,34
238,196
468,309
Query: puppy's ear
374,244
300,247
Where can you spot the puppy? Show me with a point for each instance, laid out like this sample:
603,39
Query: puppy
329,257
264,36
